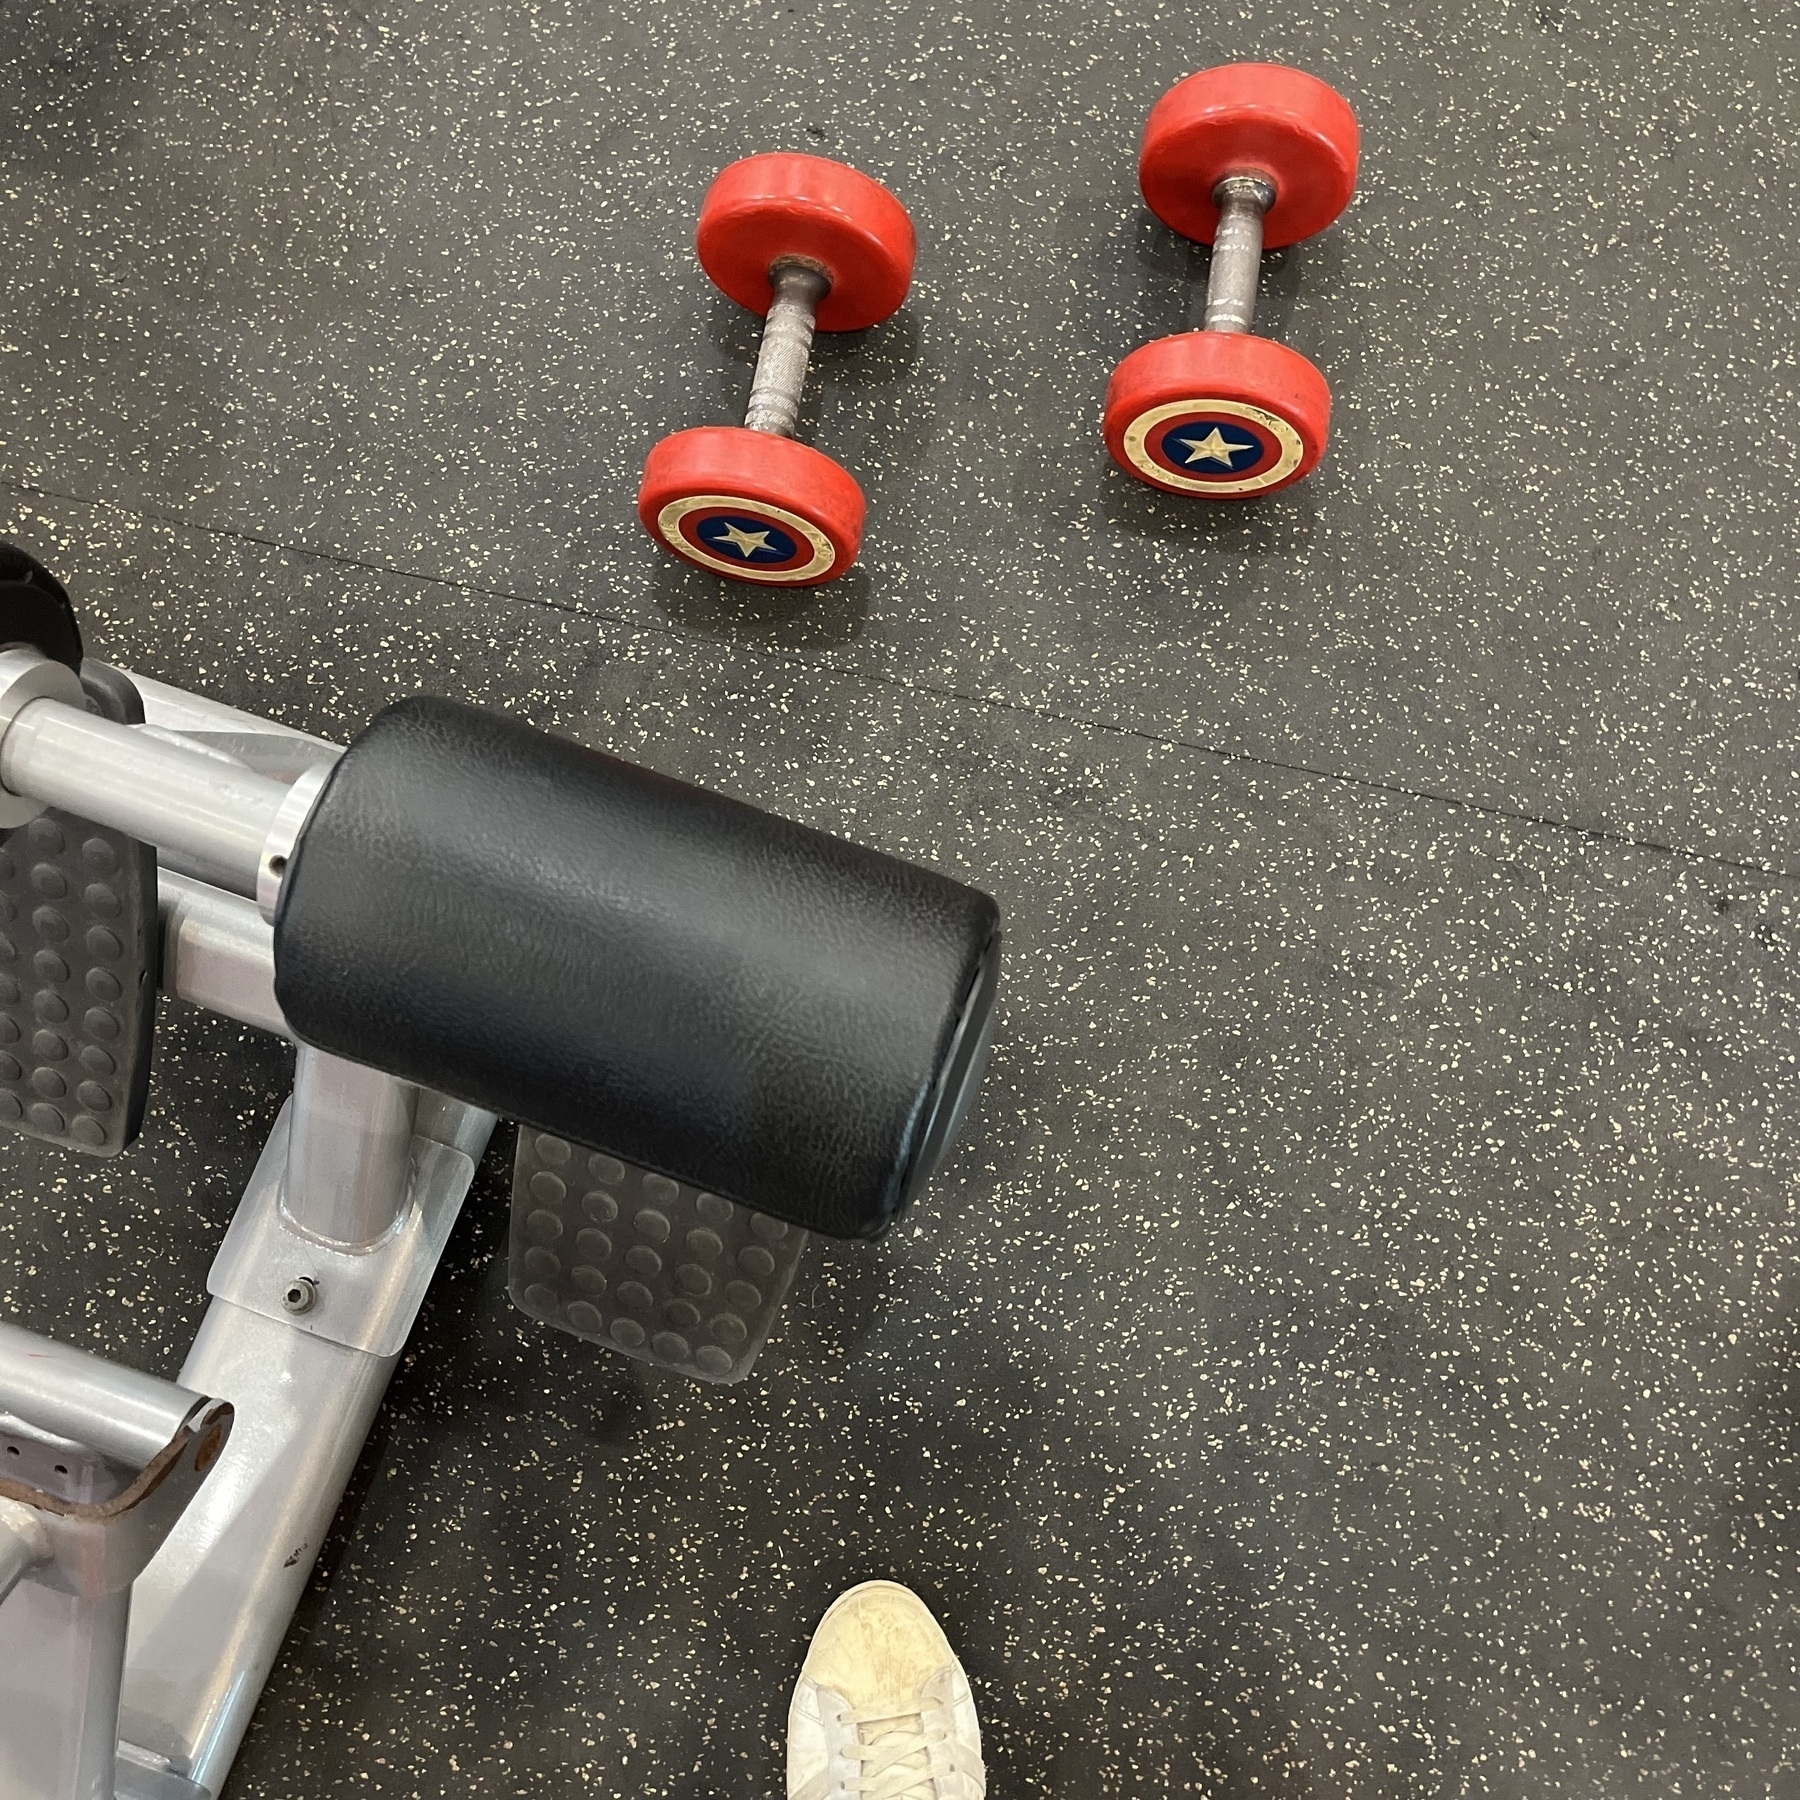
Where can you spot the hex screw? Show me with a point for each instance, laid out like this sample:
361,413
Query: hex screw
786,347
1237,252
301,1294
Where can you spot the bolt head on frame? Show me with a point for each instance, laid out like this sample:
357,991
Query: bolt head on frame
751,507
1250,118
1216,415
787,206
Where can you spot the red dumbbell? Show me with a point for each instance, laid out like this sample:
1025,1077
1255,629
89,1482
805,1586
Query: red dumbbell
806,242
1237,157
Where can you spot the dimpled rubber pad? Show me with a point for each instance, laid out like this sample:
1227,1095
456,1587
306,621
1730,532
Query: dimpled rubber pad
77,980
642,1264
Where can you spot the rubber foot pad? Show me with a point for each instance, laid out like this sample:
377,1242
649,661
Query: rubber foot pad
78,943
642,1264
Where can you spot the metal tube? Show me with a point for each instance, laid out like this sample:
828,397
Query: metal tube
117,1411
349,1159
175,709
218,952
786,348
210,1612
61,1659
260,745
22,1544
1237,252
209,815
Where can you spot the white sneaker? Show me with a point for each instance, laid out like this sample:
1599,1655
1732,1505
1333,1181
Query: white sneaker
882,1709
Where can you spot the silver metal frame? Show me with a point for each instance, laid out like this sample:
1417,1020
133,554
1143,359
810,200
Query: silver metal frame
97,1463
314,1289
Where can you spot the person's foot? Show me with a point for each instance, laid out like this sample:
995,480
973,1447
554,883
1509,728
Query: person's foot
882,1709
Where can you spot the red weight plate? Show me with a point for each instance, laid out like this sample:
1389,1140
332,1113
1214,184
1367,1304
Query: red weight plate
1250,118
1217,415
751,507
787,205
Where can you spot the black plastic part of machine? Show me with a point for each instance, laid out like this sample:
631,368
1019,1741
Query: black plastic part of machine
35,610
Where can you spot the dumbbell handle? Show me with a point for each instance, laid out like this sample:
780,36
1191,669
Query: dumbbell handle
1237,252
786,348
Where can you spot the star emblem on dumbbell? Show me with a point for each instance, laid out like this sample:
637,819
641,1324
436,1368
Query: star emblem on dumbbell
1216,447
745,543
742,536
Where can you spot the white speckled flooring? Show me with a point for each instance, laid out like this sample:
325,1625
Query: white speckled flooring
1350,1354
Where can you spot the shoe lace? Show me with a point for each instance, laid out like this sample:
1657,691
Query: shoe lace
894,1750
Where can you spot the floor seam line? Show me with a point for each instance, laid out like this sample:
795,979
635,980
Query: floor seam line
787,659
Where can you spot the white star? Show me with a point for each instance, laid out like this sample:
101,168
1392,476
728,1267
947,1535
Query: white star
1214,447
745,542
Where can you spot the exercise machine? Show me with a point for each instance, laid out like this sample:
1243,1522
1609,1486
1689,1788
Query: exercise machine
719,1031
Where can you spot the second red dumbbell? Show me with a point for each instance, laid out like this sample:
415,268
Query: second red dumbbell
1240,157
808,243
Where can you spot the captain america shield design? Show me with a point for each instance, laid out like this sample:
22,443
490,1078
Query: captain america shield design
749,540
1226,448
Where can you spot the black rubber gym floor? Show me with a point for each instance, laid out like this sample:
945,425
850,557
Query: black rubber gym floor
1352,1351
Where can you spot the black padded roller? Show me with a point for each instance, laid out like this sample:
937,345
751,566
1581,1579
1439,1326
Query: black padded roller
755,1008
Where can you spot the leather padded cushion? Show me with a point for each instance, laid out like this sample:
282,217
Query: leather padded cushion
739,1002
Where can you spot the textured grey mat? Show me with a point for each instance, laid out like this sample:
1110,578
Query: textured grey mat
650,1267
